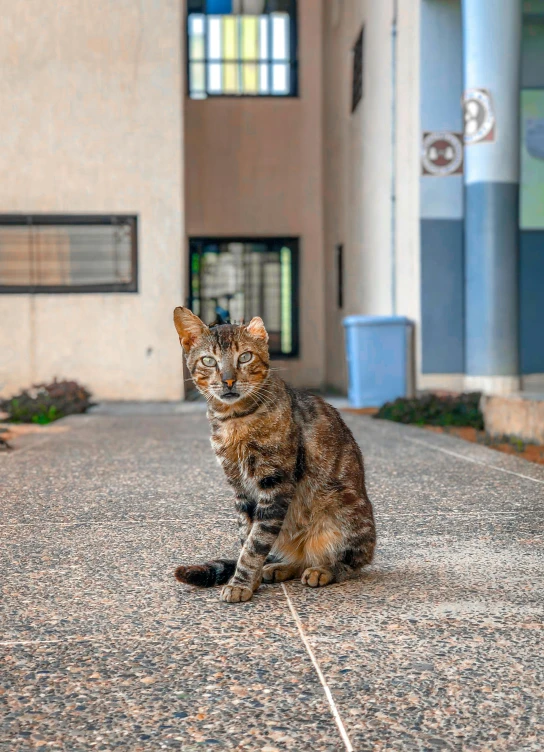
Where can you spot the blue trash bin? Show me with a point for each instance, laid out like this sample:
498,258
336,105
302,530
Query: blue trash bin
378,350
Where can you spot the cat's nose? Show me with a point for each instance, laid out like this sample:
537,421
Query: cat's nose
228,379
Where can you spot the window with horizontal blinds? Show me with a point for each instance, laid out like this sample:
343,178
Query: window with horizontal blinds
53,253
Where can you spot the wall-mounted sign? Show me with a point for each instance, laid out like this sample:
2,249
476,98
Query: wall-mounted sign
442,154
479,116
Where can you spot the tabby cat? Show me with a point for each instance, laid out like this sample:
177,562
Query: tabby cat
292,462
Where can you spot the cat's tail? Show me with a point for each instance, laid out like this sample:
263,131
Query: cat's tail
216,572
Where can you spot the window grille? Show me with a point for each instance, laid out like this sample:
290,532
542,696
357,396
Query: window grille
68,253
236,279
241,48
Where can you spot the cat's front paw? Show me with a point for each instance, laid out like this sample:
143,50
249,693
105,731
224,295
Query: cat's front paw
236,593
279,572
317,577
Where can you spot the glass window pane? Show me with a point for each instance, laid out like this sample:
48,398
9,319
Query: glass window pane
272,298
286,301
237,305
263,38
263,78
245,279
15,256
250,32
198,79
97,255
250,83
280,36
196,37
257,43
230,37
230,78
280,78
215,46
195,282
66,254
215,78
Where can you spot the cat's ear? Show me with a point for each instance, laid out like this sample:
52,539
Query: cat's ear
188,326
256,328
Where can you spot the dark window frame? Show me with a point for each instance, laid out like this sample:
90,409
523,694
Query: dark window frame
294,245
293,62
53,220
357,70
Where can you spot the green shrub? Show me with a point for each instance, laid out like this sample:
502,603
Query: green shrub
430,409
45,403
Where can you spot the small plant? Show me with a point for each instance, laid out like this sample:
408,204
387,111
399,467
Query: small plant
519,445
44,403
430,409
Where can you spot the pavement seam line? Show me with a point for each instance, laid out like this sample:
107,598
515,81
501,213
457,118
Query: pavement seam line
471,459
328,693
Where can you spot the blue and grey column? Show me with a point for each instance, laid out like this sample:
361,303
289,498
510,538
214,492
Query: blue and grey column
492,40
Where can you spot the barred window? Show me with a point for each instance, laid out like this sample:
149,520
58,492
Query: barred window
236,279
241,48
357,77
68,254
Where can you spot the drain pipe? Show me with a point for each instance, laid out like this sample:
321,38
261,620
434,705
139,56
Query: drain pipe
394,157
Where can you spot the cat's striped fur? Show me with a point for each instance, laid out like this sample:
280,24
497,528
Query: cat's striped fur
295,468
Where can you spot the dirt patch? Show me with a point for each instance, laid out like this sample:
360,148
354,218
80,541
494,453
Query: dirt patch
530,452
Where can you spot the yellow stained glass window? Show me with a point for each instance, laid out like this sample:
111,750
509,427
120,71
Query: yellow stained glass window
250,53
231,84
241,48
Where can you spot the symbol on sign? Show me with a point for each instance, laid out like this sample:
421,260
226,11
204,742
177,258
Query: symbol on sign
479,116
442,154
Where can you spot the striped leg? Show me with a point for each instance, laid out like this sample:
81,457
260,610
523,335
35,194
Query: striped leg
359,551
269,515
246,511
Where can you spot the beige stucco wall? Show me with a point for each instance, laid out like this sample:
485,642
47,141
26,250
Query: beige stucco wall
91,122
358,166
254,168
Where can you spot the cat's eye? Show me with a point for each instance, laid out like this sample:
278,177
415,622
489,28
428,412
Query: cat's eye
245,357
208,361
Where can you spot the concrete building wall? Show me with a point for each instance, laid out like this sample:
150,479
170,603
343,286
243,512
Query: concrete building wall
363,160
407,170
91,122
254,169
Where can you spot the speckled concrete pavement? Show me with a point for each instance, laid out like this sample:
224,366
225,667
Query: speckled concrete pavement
438,646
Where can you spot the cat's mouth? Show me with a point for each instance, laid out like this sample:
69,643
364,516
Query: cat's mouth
230,396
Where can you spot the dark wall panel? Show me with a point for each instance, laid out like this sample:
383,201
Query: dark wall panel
532,301
442,295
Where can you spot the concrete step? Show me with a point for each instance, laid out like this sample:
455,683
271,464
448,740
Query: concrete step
520,415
